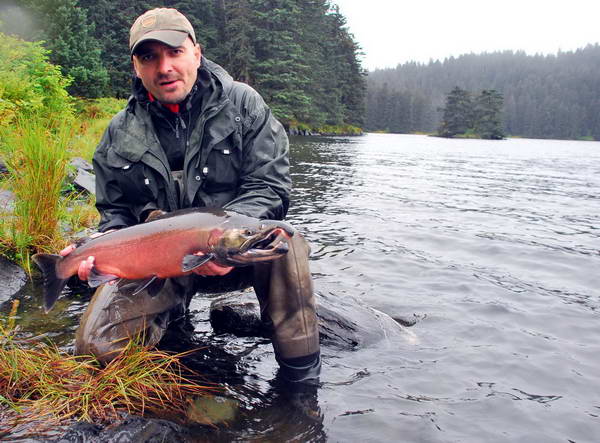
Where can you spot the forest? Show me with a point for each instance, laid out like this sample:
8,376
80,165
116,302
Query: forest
299,54
302,57
545,96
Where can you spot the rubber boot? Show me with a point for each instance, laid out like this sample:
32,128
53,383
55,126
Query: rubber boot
285,291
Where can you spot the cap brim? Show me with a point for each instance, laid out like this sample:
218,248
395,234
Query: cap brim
171,38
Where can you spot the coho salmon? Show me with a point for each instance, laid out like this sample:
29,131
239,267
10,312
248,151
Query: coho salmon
167,247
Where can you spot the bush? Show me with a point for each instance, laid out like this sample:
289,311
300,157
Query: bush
30,84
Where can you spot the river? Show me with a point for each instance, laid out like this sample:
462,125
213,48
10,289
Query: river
488,252
494,248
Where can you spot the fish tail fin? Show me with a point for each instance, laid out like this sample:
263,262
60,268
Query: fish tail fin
53,284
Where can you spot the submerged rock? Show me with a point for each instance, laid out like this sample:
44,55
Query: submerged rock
12,279
132,430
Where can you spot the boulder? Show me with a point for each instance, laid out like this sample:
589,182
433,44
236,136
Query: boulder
12,279
238,314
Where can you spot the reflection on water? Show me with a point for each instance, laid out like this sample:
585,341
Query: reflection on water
490,252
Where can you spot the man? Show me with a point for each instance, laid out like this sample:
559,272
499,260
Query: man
190,136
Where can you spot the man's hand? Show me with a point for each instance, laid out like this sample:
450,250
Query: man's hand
85,267
211,268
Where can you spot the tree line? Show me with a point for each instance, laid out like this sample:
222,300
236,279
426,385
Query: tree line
299,54
545,96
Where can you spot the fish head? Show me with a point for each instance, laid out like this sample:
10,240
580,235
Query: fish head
266,241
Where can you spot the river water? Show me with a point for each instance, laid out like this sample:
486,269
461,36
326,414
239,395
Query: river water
487,251
494,248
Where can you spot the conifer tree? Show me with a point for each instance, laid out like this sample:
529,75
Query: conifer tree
458,113
488,111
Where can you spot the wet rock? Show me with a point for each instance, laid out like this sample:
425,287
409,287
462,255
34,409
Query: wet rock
133,429
238,314
83,177
7,200
12,279
350,324
347,324
3,168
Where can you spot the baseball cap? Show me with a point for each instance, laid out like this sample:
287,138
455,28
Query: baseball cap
167,25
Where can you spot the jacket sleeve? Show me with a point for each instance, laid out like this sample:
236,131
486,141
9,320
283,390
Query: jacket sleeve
110,201
265,182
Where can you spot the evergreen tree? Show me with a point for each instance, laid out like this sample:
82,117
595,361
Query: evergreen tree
488,111
458,113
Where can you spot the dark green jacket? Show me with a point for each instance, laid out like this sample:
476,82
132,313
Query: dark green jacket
237,158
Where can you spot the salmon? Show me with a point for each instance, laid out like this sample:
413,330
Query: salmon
167,247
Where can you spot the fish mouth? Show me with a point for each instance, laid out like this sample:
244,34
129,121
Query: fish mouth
265,246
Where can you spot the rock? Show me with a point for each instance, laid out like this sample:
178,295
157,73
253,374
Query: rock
82,175
80,163
3,168
347,324
132,430
238,314
12,279
7,200
85,181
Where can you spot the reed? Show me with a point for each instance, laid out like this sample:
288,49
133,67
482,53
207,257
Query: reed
36,153
43,385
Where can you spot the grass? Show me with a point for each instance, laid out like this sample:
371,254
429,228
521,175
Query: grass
43,386
36,155
48,213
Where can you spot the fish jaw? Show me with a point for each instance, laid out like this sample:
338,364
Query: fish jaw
269,244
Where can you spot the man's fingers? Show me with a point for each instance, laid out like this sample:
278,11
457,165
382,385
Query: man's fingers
211,268
85,267
67,250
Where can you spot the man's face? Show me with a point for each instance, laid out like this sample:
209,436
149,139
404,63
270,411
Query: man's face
167,73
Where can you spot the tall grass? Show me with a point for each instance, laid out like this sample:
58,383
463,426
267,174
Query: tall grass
36,155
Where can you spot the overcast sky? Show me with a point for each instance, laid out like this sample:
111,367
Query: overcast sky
397,31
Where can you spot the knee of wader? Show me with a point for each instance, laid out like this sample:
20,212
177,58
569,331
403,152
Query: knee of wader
108,342
102,350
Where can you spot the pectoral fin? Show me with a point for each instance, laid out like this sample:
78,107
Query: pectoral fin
96,279
191,262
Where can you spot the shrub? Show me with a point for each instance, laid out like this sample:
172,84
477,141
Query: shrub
30,84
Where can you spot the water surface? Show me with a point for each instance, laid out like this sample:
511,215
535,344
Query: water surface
491,249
